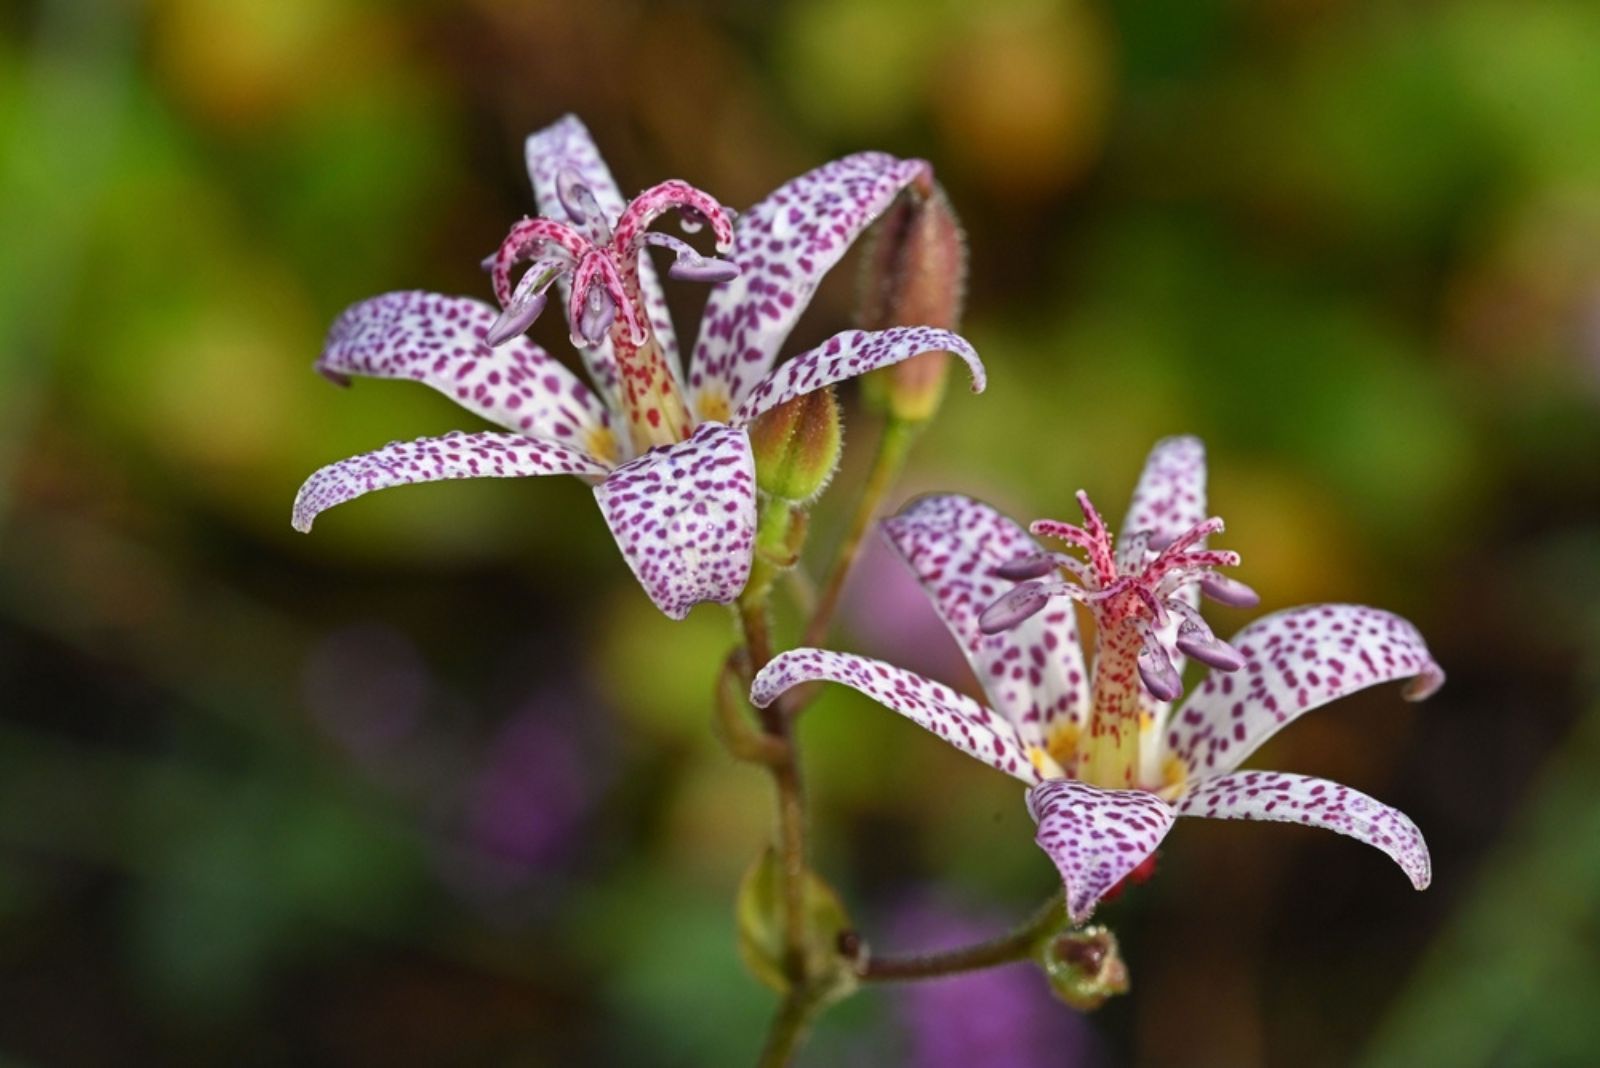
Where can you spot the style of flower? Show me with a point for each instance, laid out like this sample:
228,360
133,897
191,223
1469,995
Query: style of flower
668,453
1109,762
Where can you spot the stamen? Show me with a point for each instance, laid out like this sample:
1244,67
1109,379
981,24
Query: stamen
1196,640
599,312
1157,672
1014,607
527,303
581,206
1230,592
535,238
688,265
1026,567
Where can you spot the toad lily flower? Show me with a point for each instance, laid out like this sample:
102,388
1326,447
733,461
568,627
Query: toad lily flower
1108,761
668,454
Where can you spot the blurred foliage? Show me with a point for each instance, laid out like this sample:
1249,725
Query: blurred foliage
437,785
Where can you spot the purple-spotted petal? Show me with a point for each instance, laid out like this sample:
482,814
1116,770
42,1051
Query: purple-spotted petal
1171,494
457,455
439,341
1095,836
1169,499
684,517
783,246
956,718
1295,661
1034,673
1274,795
852,353
566,146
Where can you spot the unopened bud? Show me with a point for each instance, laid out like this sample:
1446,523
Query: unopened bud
797,446
915,274
1084,966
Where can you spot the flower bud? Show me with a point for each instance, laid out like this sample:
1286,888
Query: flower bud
915,274
797,446
1084,967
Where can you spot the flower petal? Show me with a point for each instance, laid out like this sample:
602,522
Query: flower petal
684,517
1169,499
439,341
783,246
852,353
1276,795
457,455
1295,661
567,145
1095,836
956,718
1171,495
1033,673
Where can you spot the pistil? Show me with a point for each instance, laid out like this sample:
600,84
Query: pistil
605,302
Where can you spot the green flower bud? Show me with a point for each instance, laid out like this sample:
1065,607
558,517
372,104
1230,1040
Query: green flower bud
914,274
1084,967
759,913
797,446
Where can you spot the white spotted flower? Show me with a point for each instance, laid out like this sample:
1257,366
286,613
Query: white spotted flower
668,452
1109,761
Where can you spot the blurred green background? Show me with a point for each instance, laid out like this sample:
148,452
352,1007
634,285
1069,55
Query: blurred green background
435,785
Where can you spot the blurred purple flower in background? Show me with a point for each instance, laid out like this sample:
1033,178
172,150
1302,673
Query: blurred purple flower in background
998,1018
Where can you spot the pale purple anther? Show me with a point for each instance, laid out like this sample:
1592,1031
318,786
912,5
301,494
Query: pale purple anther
1210,650
1111,761
579,202
1157,672
682,510
1229,591
1015,606
1035,565
690,266
527,303
599,312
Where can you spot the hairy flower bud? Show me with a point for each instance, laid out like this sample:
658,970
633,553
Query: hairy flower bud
915,274
1084,967
797,446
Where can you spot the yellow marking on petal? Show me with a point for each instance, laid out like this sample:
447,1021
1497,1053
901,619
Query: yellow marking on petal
602,444
1044,763
1173,773
713,405
1063,744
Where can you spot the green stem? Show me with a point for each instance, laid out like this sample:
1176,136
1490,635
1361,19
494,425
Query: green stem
1012,946
893,448
794,1017
785,768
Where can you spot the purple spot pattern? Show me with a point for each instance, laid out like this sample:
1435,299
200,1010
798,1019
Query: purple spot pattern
1274,795
566,144
783,246
1095,836
456,455
438,341
1169,499
1034,673
1171,494
1295,661
956,718
852,353
684,517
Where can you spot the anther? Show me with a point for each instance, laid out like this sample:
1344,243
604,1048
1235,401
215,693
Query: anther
1197,641
1023,568
1014,607
1230,592
1156,671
